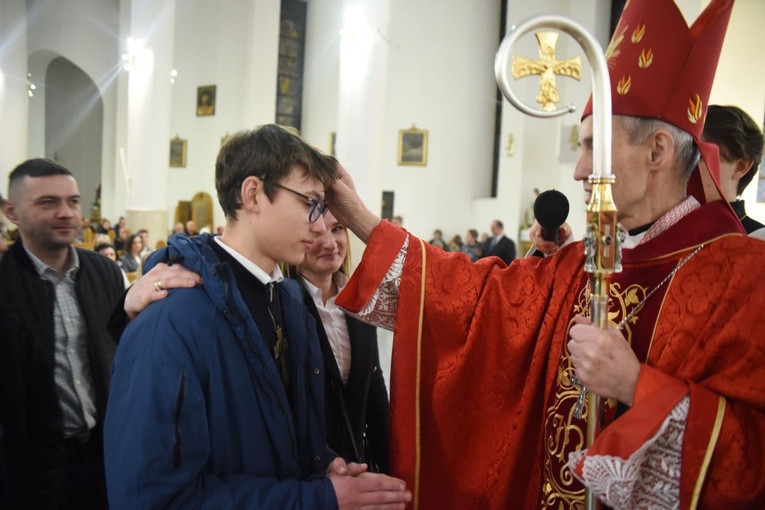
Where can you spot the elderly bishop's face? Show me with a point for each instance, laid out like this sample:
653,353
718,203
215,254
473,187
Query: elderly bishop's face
628,165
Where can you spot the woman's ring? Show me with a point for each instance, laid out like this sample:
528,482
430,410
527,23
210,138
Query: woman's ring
158,285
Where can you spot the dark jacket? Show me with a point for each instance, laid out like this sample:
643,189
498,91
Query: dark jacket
749,223
358,412
31,452
32,418
199,416
99,286
128,263
504,249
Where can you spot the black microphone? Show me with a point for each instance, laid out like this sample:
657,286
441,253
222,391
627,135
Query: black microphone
551,211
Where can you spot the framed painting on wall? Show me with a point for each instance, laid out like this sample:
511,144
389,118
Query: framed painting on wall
206,100
413,146
178,152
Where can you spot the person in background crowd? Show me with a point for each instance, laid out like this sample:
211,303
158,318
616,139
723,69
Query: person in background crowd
102,239
471,246
107,249
104,226
438,240
398,221
130,262
121,225
499,245
144,235
455,244
121,239
87,224
191,228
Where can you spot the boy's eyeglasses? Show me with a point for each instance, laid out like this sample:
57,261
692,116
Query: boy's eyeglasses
319,206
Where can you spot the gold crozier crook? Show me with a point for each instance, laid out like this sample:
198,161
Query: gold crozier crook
602,242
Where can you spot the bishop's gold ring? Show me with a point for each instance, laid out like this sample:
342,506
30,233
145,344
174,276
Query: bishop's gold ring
158,285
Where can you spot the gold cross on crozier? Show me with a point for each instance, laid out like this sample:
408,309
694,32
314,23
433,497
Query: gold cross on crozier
547,67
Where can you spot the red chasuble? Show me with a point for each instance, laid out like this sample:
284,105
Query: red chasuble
481,399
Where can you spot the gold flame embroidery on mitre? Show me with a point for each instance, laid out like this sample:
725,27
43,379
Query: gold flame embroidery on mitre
645,59
624,85
695,108
638,33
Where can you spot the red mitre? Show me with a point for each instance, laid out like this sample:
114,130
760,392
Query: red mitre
660,68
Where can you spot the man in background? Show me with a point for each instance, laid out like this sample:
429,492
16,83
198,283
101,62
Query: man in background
191,228
63,297
499,245
144,234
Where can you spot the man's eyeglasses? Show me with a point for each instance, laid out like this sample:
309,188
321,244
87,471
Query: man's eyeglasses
319,206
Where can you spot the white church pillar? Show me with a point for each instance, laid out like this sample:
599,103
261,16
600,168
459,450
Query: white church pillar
260,77
363,88
13,87
144,161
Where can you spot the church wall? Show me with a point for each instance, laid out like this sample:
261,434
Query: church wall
454,102
74,118
440,77
322,71
85,33
219,47
13,87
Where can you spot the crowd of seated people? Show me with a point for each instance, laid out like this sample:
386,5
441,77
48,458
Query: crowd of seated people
475,246
470,246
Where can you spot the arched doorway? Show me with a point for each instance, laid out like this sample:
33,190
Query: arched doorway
74,118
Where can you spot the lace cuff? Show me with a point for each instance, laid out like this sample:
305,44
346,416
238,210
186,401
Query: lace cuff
649,478
380,310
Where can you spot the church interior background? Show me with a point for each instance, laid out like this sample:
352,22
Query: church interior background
105,87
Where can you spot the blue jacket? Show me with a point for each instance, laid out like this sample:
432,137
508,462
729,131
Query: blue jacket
198,416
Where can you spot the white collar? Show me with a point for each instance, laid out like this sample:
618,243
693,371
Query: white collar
339,278
276,275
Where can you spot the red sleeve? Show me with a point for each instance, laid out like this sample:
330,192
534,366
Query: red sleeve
382,248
